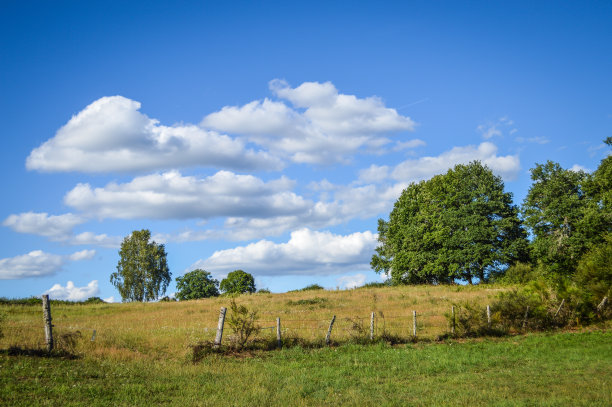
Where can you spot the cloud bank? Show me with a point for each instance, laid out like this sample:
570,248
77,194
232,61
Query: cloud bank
306,252
38,264
111,135
72,293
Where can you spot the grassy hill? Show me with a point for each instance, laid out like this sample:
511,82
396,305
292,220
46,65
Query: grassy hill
141,355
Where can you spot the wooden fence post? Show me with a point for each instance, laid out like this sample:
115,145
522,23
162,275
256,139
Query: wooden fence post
489,316
328,336
559,309
279,341
220,328
372,326
525,318
47,320
602,304
414,324
453,320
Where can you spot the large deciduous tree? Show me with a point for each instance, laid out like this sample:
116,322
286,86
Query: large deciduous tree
457,226
196,284
568,213
238,282
142,271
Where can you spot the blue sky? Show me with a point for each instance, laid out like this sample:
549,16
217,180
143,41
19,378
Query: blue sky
271,137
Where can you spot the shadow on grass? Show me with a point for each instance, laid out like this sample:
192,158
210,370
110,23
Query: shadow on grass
39,353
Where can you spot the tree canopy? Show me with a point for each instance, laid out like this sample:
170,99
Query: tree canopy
142,271
238,282
457,226
568,213
196,284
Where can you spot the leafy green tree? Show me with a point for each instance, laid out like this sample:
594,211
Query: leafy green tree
567,212
457,226
142,271
196,284
238,282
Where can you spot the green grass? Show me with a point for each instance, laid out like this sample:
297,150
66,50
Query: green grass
563,369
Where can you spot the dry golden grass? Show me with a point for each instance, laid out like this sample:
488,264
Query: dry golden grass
166,329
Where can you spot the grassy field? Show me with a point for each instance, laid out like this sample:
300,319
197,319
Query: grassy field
141,356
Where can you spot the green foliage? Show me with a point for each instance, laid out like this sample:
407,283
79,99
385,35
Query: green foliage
238,282
310,287
94,300
594,272
196,284
264,291
456,226
142,271
2,319
242,323
386,283
320,301
564,220
519,273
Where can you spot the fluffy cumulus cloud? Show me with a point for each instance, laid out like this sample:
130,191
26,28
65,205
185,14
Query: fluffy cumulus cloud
425,167
320,127
351,281
306,252
72,293
55,227
111,134
58,228
173,196
38,264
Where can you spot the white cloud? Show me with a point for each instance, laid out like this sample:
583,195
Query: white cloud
173,196
578,168
403,145
306,252
425,167
58,228
37,264
72,293
351,281
83,255
109,299
101,240
55,227
323,127
494,129
374,173
111,135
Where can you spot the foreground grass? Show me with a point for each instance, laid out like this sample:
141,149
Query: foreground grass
564,369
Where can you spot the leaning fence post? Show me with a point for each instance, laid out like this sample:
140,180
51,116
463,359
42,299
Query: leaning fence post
279,341
525,318
414,324
331,325
47,320
453,320
559,309
489,316
372,326
220,328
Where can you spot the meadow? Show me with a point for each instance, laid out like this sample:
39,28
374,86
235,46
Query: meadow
143,354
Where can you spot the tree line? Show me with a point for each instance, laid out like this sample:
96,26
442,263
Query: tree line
463,226
143,274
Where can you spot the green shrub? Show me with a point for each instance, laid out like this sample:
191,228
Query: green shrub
310,287
242,323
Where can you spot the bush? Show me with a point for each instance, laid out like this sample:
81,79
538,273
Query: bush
242,323
594,272
519,273
310,287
